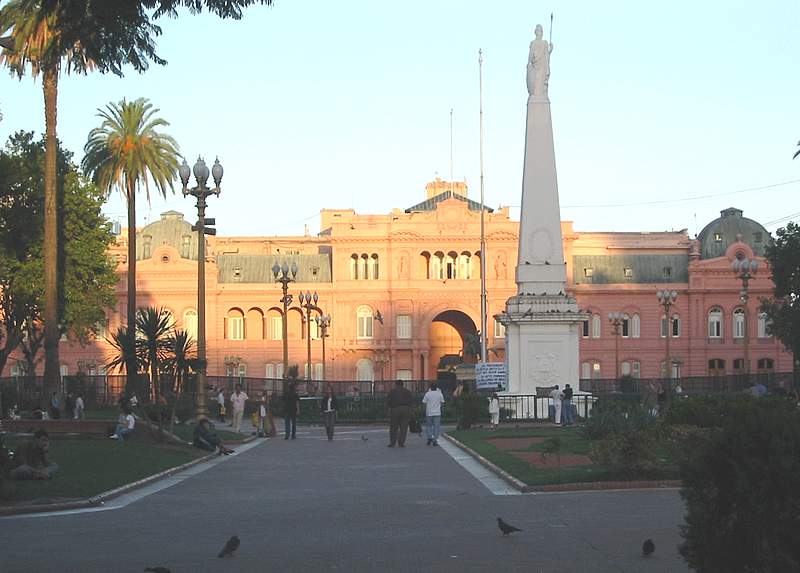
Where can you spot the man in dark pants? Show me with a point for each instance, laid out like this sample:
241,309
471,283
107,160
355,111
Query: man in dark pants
291,402
399,403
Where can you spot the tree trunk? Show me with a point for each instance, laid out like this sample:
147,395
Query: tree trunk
51,330
131,366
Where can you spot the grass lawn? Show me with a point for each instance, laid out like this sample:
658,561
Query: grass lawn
571,442
90,466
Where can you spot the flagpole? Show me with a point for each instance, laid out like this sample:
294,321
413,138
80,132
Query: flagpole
484,318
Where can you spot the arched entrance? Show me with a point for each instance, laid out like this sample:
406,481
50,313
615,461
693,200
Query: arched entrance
447,337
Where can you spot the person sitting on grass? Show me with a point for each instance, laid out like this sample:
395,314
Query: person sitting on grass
125,424
207,440
30,459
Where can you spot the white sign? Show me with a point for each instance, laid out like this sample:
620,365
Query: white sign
490,375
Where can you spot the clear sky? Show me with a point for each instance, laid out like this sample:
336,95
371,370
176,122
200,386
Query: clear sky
315,104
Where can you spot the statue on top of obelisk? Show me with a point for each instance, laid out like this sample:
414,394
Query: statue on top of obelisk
539,65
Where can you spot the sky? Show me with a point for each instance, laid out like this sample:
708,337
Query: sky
663,113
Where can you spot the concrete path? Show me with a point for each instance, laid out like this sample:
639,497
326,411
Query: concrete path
350,505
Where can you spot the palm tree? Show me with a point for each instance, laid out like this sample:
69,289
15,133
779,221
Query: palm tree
181,361
124,357
128,151
37,41
154,328
797,153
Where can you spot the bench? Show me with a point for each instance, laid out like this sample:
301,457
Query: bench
60,427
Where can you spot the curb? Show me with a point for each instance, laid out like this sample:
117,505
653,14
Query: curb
581,486
101,498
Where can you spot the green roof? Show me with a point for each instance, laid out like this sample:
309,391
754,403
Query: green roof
430,204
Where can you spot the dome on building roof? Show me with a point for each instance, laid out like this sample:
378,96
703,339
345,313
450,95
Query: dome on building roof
730,227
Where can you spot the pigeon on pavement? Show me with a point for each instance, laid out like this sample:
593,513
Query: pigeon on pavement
157,570
505,527
364,437
231,546
648,547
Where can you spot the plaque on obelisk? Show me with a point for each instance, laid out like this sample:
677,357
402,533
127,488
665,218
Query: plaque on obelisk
541,321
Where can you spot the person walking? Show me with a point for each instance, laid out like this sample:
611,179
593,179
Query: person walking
399,403
329,409
79,406
291,402
566,406
433,400
556,395
238,399
221,405
55,406
494,410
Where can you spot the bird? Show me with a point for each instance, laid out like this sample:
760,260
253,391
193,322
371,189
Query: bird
527,262
378,316
547,262
364,437
648,547
231,546
157,570
505,527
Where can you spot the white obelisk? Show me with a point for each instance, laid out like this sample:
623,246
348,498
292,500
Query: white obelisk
542,322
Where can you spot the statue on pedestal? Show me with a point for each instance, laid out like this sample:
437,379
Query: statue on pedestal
539,64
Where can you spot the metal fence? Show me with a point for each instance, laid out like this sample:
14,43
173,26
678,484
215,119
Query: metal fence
692,385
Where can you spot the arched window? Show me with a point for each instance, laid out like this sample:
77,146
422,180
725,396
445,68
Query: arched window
625,368
585,328
715,323
362,267
255,324
235,326
437,260
451,265
464,266
597,326
586,370
373,267
763,324
765,364
364,318
676,326
738,323
365,372
425,260
353,266
636,326
190,323
625,329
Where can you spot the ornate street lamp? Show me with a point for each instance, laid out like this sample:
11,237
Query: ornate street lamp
745,269
616,319
666,298
200,192
285,274
309,302
323,322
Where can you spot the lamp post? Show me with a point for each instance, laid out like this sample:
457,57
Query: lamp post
616,318
666,298
323,322
309,302
200,192
285,274
745,269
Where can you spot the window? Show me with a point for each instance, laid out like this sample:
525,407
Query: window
403,326
318,371
279,370
362,267
586,329
758,237
676,326
596,326
586,370
63,370
101,331
146,249
364,370
236,328
715,323
626,326
765,364
314,329
236,370
372,267
403,375
716,367
675,371
636,326
190,323
464,266
667,271
717,237
353,267
636,369
625,368
627,272
237,272
738,365
269,371
436,265
499,329
451,269
763,325
186,244
596,371
738,323
276,326
364,318
588,272
314,271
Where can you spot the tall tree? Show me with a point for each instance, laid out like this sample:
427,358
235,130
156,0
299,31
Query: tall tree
180,363
86,275
154,329
126,152
783,310
46,34
39,45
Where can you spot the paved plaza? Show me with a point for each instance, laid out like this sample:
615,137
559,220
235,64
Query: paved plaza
348,505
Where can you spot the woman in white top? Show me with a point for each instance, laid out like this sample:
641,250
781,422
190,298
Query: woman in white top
125,424
79,406
494,410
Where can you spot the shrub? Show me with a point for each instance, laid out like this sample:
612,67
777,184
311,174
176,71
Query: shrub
741,485
710,411
614,416
628,454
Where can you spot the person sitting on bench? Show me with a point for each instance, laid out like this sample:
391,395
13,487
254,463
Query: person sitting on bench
205,439
125,424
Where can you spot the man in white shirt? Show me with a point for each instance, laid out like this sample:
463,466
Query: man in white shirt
556,395
433,401
238,398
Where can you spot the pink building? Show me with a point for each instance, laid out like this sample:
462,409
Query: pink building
402,289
